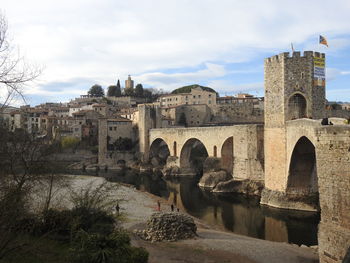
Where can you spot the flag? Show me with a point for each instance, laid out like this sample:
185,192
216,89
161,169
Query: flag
323,41
291,44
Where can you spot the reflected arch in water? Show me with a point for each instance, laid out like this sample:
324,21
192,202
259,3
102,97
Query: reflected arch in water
227,155
302,176
159,150
193,155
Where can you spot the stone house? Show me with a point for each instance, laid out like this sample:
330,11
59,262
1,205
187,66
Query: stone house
196,96
109,131
100,108
195,115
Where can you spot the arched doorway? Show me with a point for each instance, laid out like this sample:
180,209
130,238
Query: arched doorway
159,152
302,176
227,155
193,155
296,107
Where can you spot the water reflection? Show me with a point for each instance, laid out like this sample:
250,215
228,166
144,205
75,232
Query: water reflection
234,212
244,216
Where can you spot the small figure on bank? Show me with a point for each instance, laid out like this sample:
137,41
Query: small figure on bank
330,123
178,210
117,209
158,204
172,208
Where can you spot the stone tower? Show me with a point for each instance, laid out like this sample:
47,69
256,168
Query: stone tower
294,89
149,118
129,83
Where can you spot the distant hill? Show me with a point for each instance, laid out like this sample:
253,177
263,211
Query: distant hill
187,89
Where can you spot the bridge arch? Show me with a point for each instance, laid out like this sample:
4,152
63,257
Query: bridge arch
227,155
159,151
193,155
297,106
302,174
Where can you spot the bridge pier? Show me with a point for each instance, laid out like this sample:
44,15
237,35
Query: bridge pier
333,165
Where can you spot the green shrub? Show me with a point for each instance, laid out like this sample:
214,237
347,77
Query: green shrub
57,224
69,142
113,248
92,221
62,225
139,255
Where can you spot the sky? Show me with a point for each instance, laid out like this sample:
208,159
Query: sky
166,44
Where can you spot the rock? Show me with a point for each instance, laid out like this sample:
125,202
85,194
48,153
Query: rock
155,162
121,164
229,186
171,171
289,201
168,226
211,179
212,164
246,186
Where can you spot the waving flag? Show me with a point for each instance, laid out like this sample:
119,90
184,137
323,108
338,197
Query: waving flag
323,41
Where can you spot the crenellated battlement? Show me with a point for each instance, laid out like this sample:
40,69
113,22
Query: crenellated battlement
290,55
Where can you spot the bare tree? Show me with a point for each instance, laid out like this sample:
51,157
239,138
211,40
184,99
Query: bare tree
25,168
15,73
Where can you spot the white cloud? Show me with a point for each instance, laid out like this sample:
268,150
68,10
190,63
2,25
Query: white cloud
225,87
108,39
174,80
333,73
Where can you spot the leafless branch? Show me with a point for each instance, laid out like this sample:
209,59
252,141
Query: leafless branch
15,73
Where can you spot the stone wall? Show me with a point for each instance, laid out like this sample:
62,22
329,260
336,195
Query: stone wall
149,117
102,140
333,165
286,77
338,113
245,112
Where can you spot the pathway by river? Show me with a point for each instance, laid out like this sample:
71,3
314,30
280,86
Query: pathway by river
232,212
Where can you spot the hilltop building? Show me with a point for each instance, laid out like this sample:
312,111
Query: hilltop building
197,95
129,83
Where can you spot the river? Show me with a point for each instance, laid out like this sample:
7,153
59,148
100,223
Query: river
233,212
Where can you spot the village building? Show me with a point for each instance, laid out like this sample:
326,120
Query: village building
196,96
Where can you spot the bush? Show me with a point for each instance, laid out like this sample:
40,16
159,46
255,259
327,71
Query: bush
92,221
139,255
61,225
113,248
69,142
57,224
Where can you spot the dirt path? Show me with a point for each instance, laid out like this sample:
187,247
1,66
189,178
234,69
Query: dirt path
211,245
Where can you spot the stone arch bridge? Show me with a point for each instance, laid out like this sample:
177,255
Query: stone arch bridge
239,147
300,159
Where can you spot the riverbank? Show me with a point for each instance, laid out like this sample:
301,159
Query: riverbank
211,245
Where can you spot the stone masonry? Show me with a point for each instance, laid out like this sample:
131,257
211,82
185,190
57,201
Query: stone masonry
285,78
333,168
247,145
293,153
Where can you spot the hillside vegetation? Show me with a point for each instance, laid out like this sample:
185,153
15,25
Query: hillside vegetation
187,89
